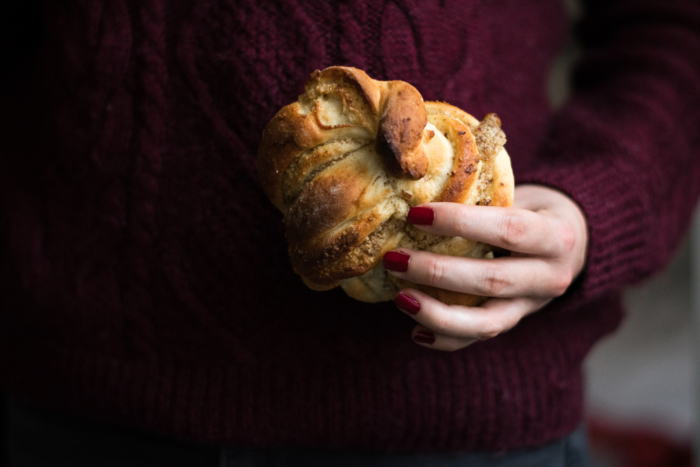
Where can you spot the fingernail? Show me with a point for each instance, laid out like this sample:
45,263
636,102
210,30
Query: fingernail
421,215
396,261
407,303
424,337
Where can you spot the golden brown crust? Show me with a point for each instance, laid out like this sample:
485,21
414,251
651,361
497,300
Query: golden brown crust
464,172
447,110
346,162
339,76
328,259
288,133
400,133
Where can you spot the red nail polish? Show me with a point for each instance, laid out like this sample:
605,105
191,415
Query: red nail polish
396,261
420,215
407,303
424,337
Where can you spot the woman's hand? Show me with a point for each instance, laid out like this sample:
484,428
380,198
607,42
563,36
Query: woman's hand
547,236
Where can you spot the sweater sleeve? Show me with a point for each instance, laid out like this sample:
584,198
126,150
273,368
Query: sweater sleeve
626,146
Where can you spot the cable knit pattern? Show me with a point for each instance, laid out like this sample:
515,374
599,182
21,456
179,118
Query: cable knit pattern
146,278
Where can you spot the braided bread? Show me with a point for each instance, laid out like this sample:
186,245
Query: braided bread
348,160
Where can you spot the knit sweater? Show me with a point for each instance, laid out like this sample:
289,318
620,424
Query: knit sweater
145,274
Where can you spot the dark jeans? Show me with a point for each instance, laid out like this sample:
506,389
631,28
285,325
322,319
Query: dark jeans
568,452
37,437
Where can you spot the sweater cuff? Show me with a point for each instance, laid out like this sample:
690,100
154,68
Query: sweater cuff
619,222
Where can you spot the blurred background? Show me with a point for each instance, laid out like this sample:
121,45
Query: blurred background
641,405
641,381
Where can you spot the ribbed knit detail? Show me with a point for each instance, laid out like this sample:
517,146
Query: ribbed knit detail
146,278
466,401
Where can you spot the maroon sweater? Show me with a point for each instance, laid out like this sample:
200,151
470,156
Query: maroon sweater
146,278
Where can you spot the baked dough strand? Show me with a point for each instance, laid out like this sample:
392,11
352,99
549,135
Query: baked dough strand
346,162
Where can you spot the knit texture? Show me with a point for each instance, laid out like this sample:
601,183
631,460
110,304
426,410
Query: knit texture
146,279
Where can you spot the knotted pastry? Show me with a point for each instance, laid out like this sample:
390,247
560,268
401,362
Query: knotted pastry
348,160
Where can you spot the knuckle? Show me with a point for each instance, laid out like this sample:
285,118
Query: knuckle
561,284
490,329
461,223
440,324
567,238
495,282
512,230
494,327
434,270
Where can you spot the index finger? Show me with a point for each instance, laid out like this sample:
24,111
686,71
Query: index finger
510,228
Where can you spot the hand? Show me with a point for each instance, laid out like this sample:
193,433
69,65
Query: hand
547,235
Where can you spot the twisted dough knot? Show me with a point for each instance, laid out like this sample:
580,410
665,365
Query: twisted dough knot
348,160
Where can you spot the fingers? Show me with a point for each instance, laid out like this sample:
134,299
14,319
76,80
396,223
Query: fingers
501,277
547,234
513,229
449,327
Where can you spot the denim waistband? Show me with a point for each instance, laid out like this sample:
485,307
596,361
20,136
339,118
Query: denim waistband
39,437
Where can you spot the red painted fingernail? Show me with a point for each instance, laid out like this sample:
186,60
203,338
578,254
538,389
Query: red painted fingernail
424,337
421,215
396,261
407,303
